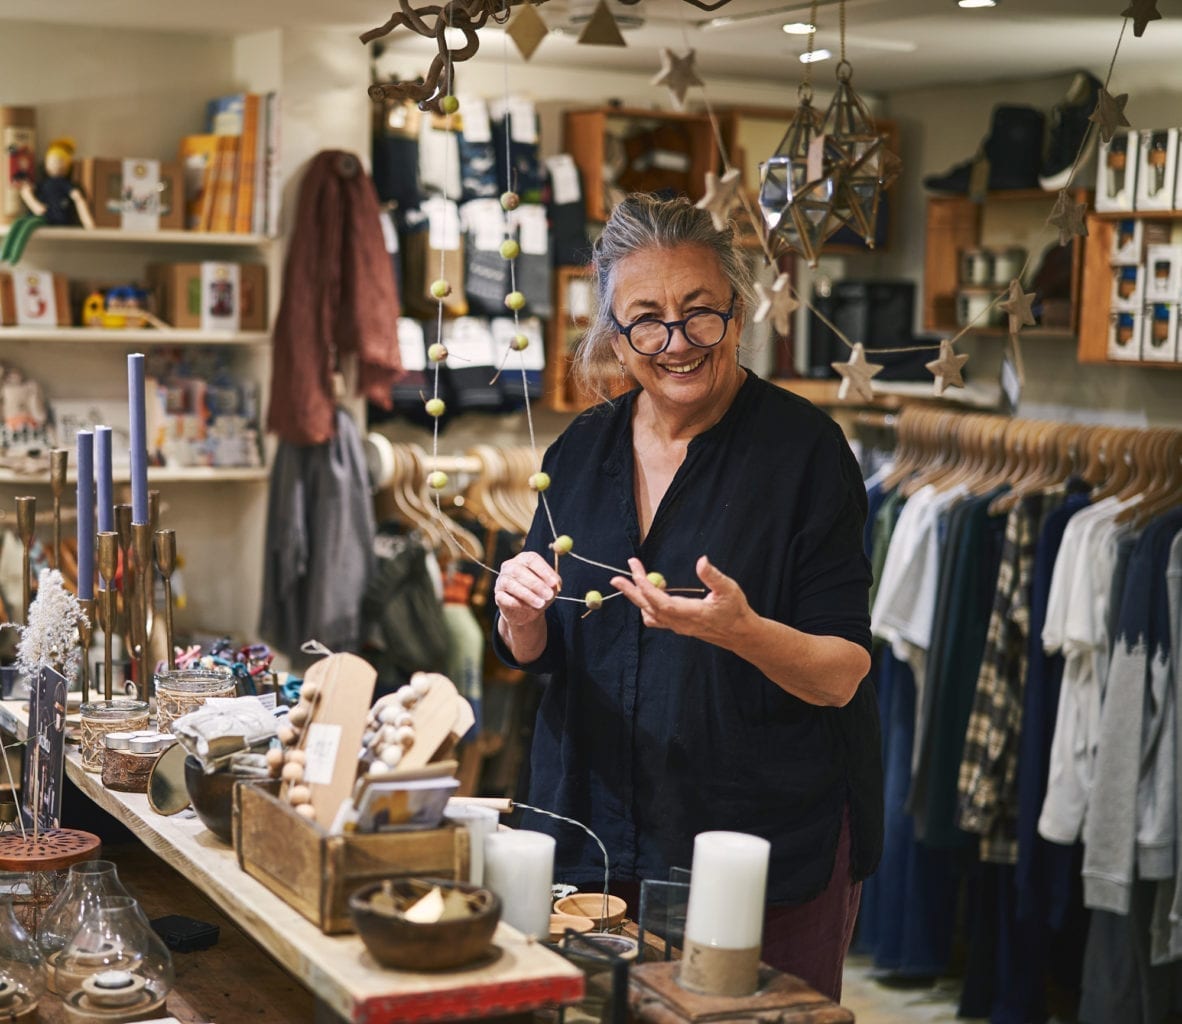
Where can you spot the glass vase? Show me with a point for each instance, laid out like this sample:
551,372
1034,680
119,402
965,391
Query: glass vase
186,689
116,967
87,882
22,968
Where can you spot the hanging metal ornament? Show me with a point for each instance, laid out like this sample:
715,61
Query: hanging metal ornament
853,142
798,184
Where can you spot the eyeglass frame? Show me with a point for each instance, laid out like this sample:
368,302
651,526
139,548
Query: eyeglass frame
672,325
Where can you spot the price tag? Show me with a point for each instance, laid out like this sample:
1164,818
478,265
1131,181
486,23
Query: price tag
389,235
477,127
320,748
410,344
470,343
564,179
443,220
523,120
485,223
534,231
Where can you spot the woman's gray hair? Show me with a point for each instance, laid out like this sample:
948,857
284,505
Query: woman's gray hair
645,222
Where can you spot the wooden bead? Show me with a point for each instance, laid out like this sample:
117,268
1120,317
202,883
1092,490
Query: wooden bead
310,692
286,734
293,772
406,735
420,683
306,811
406,696
404,718
388,714
390,756
275,759
298,715
300,794
295,756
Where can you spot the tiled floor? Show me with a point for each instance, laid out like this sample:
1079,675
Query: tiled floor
873,1003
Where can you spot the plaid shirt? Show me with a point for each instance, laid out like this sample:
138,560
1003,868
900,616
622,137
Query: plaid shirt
988,782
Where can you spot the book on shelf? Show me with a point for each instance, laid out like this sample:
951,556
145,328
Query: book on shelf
274,169
225,181
196,154
224,114
247,157
242,189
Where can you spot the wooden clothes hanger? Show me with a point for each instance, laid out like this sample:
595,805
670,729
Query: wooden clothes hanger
1117,468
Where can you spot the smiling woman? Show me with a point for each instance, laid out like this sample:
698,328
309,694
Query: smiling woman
740,710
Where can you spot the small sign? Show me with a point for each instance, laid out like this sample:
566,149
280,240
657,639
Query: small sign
41,784
34,297
140,203
221,295
324,739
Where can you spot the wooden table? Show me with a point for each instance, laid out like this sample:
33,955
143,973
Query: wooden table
336,969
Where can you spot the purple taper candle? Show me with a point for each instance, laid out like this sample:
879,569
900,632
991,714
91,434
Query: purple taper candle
105,480
85,515
139,438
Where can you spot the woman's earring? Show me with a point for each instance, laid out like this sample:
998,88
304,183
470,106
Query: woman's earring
623,372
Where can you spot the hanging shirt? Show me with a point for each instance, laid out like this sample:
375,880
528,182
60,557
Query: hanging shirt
648,737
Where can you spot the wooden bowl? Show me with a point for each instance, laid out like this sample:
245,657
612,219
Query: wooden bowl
590,905
393,941
561,923
212,797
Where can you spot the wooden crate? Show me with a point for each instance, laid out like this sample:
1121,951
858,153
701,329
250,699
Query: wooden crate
315,872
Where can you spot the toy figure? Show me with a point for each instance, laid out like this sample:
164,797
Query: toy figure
55,200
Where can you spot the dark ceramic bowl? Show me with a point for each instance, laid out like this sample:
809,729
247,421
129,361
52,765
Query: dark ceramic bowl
393,941
212,797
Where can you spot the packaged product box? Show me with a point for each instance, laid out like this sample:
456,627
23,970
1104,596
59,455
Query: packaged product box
1157,168
211,295
1127,241
1124,335
1128,288
34,298
18,144
1116,175
133,194
1159,339
1163,273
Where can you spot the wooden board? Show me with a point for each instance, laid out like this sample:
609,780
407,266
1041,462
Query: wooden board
337,969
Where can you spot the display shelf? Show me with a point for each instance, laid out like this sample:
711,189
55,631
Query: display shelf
151,237
1116,215
132,335
891,395
156,475
526,975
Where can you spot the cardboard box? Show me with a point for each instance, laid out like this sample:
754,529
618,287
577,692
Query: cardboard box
316,872
1127,241
1163,273
18,144
1159,340
1157,169
135,195
34,298
1128,289
179,289
1116,175
1124,336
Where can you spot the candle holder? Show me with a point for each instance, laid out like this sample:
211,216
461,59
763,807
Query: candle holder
87,882
154,509
123,529
108,563
185,689
166,565
22,968
122,714
141,534
26,525
59,461
85,632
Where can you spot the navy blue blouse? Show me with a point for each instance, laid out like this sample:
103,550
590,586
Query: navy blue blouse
648,737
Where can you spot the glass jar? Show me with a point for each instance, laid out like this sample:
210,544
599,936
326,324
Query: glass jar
86,883
22,969
103,716
184,689
116,967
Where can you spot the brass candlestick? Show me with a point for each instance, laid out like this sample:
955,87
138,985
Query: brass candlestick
142,546
85,632
26,524
123,529
154,510
108,564
59,460
166,563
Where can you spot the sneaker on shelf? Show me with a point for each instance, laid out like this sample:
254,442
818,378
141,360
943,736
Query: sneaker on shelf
1069,126
954,181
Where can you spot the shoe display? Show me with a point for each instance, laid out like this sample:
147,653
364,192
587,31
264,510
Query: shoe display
1069,126
1013,150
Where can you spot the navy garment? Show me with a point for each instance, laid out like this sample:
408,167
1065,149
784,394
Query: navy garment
648,737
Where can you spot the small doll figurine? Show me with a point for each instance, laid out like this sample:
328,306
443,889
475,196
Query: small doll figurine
55,200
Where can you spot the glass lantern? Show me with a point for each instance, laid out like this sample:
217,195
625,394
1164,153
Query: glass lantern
87,882
185,689
116,967
22,969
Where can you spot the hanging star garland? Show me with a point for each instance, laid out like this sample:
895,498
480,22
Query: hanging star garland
946,369
856,375
1109,114
1068,217
677,74
1018,307
776,303
722,195
1142,12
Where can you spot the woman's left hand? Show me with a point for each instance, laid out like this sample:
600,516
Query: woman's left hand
713,618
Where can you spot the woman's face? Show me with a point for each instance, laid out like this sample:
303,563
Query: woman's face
672,284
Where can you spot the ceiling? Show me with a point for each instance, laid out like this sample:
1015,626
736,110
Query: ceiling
893,44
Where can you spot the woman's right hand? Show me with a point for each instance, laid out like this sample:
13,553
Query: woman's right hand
526,586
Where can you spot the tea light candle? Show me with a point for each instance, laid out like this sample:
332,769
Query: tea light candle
104,479
85,517
519,868
728,886
137,414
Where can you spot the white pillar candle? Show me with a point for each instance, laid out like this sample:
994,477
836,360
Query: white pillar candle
480,822
519,868
728,886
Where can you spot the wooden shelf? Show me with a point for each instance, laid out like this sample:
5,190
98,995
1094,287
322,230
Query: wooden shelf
1138,215
1028,333
131,336
158,475
140,237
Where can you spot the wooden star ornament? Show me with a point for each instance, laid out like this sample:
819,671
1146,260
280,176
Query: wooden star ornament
722,195
1142,12
677,74
776,303
1018,306
1068,217
856,375
946,369
1109,114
